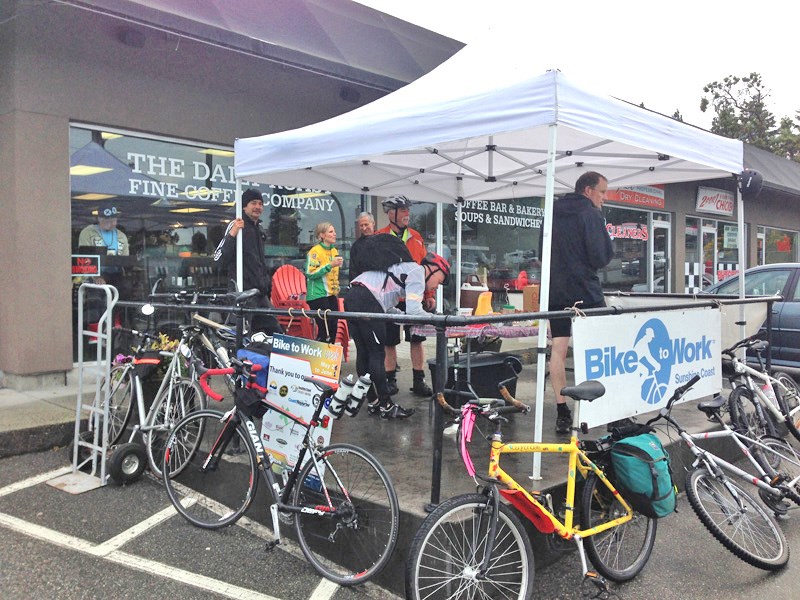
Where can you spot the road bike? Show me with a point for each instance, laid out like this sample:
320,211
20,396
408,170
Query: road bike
177,395
732,516
474,545
760,400
339,498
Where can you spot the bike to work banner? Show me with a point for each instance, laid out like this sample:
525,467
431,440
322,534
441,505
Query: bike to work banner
641,358
291,360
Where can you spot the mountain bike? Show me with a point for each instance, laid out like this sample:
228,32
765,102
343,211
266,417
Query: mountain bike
339,498
732,516
774,398
474,545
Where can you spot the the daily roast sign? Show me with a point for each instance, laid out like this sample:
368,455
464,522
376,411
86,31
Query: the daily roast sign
714,201
158,175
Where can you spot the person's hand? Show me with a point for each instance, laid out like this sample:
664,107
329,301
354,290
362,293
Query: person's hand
237,226
429,304
338,261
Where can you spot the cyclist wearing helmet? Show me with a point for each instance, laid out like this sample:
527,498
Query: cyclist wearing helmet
379,292
397,209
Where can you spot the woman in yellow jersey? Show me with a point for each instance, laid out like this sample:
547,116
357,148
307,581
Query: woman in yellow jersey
322,280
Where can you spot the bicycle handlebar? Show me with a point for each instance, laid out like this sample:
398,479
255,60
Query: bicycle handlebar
679,392
239,368
755,341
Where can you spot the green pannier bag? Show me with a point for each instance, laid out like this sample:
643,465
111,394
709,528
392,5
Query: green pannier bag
643,476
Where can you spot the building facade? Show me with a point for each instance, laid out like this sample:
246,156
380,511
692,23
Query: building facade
139,103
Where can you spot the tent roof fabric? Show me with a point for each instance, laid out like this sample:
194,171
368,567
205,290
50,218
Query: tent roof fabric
453,134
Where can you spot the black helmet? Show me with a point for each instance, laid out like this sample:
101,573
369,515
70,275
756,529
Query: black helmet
393,202
437,263
750,183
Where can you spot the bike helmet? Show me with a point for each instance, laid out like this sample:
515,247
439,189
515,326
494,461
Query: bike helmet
750,183
438,264
393,202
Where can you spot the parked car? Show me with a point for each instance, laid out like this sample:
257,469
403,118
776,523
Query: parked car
469,268
767,280
658,285
501,279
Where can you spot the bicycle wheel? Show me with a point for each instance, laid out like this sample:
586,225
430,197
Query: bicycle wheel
210,469
448,552
748,418
177,400
789,402
121,401
780,460
748,532
355,544
622,552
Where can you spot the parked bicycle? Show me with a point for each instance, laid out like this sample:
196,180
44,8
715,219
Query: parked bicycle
339,498
474,545
177,396
732,516
759,400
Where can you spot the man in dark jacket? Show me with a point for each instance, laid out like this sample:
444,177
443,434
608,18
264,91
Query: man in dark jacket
254,265
580,247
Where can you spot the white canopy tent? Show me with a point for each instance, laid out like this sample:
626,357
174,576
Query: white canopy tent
481,127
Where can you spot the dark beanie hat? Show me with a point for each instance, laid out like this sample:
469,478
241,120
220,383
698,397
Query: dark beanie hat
251,194
108,210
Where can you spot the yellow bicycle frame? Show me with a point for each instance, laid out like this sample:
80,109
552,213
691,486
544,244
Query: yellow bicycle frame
541,517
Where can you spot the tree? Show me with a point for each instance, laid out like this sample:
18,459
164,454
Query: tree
787,139
741,112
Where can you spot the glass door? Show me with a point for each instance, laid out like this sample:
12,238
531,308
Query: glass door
661,278
709,260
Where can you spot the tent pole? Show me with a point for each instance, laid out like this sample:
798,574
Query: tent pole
544,298
742,260
439,250
239,266
459,209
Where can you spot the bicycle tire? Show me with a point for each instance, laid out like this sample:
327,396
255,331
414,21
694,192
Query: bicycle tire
121,401
177,400
449,548
782,462
750,534
210,491
745,417
354,547
620,553
789,402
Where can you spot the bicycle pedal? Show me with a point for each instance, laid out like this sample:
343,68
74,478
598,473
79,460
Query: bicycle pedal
270,545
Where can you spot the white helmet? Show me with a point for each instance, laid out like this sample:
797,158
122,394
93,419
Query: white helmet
393,202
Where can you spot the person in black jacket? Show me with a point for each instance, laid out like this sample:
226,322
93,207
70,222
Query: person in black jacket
581,246
254,265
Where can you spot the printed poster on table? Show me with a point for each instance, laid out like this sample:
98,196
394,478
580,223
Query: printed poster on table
641,358
291,360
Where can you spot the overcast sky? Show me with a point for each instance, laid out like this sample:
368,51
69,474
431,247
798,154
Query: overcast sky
658,53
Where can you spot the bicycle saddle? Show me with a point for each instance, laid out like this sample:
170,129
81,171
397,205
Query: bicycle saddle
712,406
588,390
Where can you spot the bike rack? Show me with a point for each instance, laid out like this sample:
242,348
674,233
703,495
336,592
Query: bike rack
78,481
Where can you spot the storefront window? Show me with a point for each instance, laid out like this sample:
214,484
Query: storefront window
501,244
779,245
173,202
630,232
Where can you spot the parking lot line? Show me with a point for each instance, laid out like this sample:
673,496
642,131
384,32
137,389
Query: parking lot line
122,538
31,481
